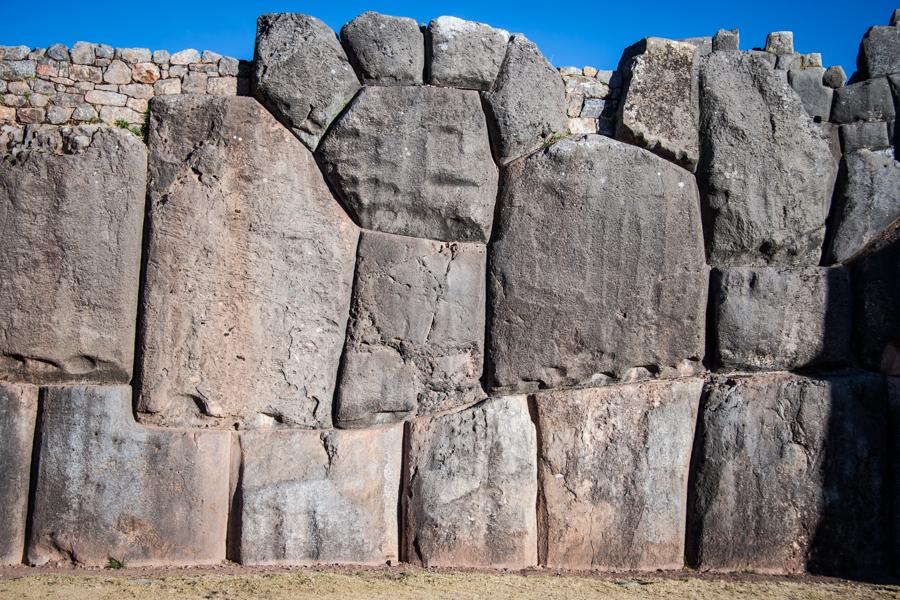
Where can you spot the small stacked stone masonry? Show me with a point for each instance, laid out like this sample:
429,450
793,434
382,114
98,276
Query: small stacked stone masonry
423,297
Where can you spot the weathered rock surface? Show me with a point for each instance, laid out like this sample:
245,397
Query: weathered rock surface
781,318
414,161
834,77
249,271
766,173
70,252
527,104
18,409
415,341
385,50
866,201
597,266
863,101
108,488
863,135
465,54
816,96
789,475
879,52
301,73
659,109
726,40
311,497
470,483
613,473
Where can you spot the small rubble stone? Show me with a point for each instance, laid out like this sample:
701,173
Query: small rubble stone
86,73
815,96
7,114
222,86
165,87
583,126
589,71
58,52
863,135
185,57
161,57
30,115
879,52
18,410
194,83
780,42
210,57
104,52
14,52
465,54
702,44
385,50
726,40
812,59
566,70
117,72
145,72
84,112
786,62
82,53
105,98
863,101
137,90
16,70
134,55
834,77
139,105
228,66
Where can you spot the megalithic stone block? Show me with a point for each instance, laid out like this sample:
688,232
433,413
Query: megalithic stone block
470,486
879,51
386,50
311,497
249,272
863,101
108,488
613,471
465,54
70,253
18,409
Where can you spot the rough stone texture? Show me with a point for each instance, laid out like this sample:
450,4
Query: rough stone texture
815,96
470,483
879,52
834,77
789,475
18,409
301,73
863,101
108,488
597,266
613,474
863,135
780,42
249,271
465,54
527,104
659,109
385,50
70,248
866,201
726,40
415,341
780,318
319,497
414,161
766,173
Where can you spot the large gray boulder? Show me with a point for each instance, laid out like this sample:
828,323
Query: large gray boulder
70,255
465,54
659,109
866,201
18,409
385,50
527,105
613,471
249,272
414,161
864,135
310,497
863,101
766,172
108,488
415,341
597,267
816,96
790,475
879,52
470,483
780,318
301,73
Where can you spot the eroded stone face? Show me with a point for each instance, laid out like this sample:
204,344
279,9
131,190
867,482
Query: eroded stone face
301,73
249,272
18,409
470,482
597,267
613,472
414,161
386,50
465,54
879,52
415,338
320,496
70,252
108,488
790,475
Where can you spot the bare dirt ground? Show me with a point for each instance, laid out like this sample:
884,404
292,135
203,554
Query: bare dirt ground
229,582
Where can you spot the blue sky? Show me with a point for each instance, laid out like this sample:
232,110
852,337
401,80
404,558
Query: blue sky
569,33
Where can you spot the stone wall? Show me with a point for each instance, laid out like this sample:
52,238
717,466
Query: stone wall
423,297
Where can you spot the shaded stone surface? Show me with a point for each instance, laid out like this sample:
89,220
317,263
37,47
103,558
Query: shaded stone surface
816,96
766,172
863,101
613,474
790,475
465,54
249,272
781,318
866,201
893,386
415,340
70,251
864,136
879,52
310,497
414,161
470,483
386,50
18,409
108,488
659,108
301,73
527,104
597,266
